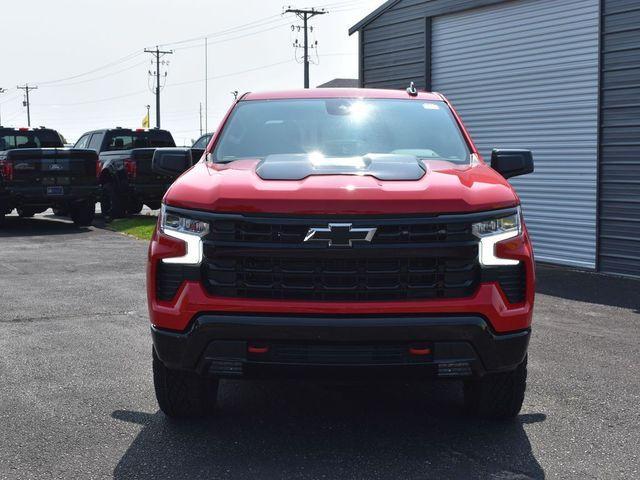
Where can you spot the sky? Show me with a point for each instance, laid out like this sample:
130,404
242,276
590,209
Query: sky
87,58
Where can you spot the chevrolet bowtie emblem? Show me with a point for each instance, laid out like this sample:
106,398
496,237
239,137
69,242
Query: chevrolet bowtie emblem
340,234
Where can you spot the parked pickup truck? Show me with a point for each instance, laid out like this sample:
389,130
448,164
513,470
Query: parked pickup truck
125,173
341,233
37,173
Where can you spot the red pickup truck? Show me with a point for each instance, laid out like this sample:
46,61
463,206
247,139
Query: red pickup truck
341,233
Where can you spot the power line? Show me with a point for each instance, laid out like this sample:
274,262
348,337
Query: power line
27,103
238,28
305,16
187,82
269,20
107,65
223,40
100,100
130,67
231,74
157,74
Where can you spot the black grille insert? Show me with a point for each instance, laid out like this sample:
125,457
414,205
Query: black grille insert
511,278
169,278
339,278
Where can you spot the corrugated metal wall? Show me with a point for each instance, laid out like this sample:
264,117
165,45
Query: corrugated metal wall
524,74
392,46
620,138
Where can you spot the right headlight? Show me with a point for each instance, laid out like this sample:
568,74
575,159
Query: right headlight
497,230
189,230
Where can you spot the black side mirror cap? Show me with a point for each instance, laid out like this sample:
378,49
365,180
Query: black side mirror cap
511,162
171,162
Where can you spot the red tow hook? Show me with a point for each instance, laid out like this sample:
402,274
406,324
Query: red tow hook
258,349
419,350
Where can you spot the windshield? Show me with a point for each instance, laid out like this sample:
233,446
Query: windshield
29,139
342,128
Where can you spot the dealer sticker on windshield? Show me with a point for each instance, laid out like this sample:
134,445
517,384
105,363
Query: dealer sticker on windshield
430,106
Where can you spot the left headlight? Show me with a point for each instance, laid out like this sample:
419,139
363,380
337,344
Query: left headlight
188,230
497,230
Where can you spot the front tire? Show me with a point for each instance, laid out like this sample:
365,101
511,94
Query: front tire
83,214
25,212
154,205
135,206
182,394
60,212
498,396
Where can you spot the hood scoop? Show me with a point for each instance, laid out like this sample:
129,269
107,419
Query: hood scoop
380,166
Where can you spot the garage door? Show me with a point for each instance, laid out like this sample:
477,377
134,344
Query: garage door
524,74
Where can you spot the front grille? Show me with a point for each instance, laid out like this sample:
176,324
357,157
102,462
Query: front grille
267,258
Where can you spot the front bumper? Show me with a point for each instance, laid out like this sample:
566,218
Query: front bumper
449,346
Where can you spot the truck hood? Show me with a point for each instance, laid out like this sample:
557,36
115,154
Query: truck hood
444,188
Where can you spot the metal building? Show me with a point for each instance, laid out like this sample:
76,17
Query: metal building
561,77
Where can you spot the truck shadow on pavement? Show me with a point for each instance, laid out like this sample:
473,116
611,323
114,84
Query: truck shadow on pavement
41,225
315,430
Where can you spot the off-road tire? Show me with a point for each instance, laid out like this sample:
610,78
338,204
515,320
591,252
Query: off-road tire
112,205
83,214
182,394
61,212
25,212
135,206
154,205
498,396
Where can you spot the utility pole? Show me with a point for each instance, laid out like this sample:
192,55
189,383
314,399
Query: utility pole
2,90
158,54
305,15
200,118
26,102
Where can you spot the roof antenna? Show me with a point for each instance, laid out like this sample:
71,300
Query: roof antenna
411,90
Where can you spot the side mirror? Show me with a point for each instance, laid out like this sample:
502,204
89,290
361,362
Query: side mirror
511,163
171,161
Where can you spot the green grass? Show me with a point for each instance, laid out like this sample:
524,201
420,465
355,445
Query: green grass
140,227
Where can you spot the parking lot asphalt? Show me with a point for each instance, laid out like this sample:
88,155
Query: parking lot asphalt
76,396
